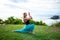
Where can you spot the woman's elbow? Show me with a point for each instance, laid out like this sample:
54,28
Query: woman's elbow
28,18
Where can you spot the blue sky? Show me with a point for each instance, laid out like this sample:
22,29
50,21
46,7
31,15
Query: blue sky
38,8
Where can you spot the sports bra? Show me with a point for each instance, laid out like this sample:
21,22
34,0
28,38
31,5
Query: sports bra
27,22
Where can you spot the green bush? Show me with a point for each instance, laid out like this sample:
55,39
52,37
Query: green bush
12,20
32,21
56,25
1,21
17,21
7,22
41,23
37,23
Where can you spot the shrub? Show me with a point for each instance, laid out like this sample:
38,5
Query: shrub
32,21
12,20
17,21
37,23
40,23
1,21
56,25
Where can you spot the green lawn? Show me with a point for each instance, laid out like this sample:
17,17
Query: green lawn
41,33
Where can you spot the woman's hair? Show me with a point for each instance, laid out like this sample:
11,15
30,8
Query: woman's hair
24,16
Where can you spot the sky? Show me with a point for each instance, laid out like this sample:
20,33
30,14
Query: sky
38,8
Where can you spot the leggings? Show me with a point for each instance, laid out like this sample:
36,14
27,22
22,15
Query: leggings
26,28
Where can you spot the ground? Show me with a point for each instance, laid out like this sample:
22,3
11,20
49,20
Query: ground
41,33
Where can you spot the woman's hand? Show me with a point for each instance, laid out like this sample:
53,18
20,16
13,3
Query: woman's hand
29,13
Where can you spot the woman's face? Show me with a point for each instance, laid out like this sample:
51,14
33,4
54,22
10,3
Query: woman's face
25,14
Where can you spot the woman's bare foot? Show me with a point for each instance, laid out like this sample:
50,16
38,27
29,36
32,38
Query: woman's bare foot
13,31
31,32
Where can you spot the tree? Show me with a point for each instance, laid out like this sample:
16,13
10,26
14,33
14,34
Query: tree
1,21
10,20
37,23
32,21
17,21
41,23
7,21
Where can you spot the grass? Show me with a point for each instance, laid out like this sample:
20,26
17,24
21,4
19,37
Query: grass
41,33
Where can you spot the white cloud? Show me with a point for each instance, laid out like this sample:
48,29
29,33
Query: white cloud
36,7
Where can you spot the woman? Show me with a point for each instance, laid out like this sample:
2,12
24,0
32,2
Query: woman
28,27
